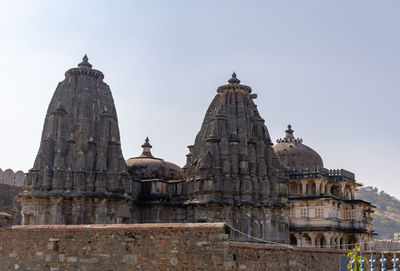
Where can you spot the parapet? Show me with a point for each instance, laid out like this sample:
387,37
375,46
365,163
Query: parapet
10,177
321,172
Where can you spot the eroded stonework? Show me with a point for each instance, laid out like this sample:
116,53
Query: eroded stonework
79,175
232,173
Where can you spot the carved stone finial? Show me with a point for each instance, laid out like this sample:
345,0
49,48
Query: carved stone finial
289,131
234,80
146,148
85,63
290,137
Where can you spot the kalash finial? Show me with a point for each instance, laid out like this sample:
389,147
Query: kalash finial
146,148
85,63
234,80
289,131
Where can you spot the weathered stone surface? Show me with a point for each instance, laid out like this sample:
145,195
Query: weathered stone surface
232,164
79,175
313,191
9,202
292,153
183,246
115,247
155,176
231,175
9,177
19,178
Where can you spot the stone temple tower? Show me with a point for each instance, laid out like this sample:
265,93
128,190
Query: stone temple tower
232,172
79,175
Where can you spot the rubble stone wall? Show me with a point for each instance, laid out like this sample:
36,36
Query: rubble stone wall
169,246
115,247
252,256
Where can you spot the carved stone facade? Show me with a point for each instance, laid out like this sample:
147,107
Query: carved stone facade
323,210
233,173
232,166
79,175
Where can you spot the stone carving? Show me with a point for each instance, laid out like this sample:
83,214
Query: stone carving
80,161
232,155
232,171
231,174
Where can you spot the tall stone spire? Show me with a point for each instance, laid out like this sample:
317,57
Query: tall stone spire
79,173
232,173
232,158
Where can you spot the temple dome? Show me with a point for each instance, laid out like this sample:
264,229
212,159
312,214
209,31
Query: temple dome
148,167
292,153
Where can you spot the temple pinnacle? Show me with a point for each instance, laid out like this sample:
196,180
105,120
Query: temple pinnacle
146,148
289,131
85,63
234,80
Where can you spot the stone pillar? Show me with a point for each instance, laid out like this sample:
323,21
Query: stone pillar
304,187
338,241
328,237
353,188
317,183
328,188
342,187
313,236
323,187
298,239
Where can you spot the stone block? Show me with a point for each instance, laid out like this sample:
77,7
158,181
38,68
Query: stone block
51,258
129,259
72,259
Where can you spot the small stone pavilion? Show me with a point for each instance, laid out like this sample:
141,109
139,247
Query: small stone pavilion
323,210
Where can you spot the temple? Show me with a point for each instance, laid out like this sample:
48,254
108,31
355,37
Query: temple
323,209
233,173
79,175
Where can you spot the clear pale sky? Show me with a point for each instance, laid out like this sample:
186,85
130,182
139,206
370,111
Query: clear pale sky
329,68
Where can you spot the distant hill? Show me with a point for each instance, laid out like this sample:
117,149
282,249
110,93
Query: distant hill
386,219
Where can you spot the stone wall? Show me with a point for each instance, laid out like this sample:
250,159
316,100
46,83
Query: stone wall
115,247
9,202
12,178
169,246
251,256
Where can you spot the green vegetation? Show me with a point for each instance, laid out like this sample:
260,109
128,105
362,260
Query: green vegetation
355,256
387,213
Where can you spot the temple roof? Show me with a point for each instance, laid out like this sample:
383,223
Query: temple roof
80,138
147,167
234,83
85,68
292,153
